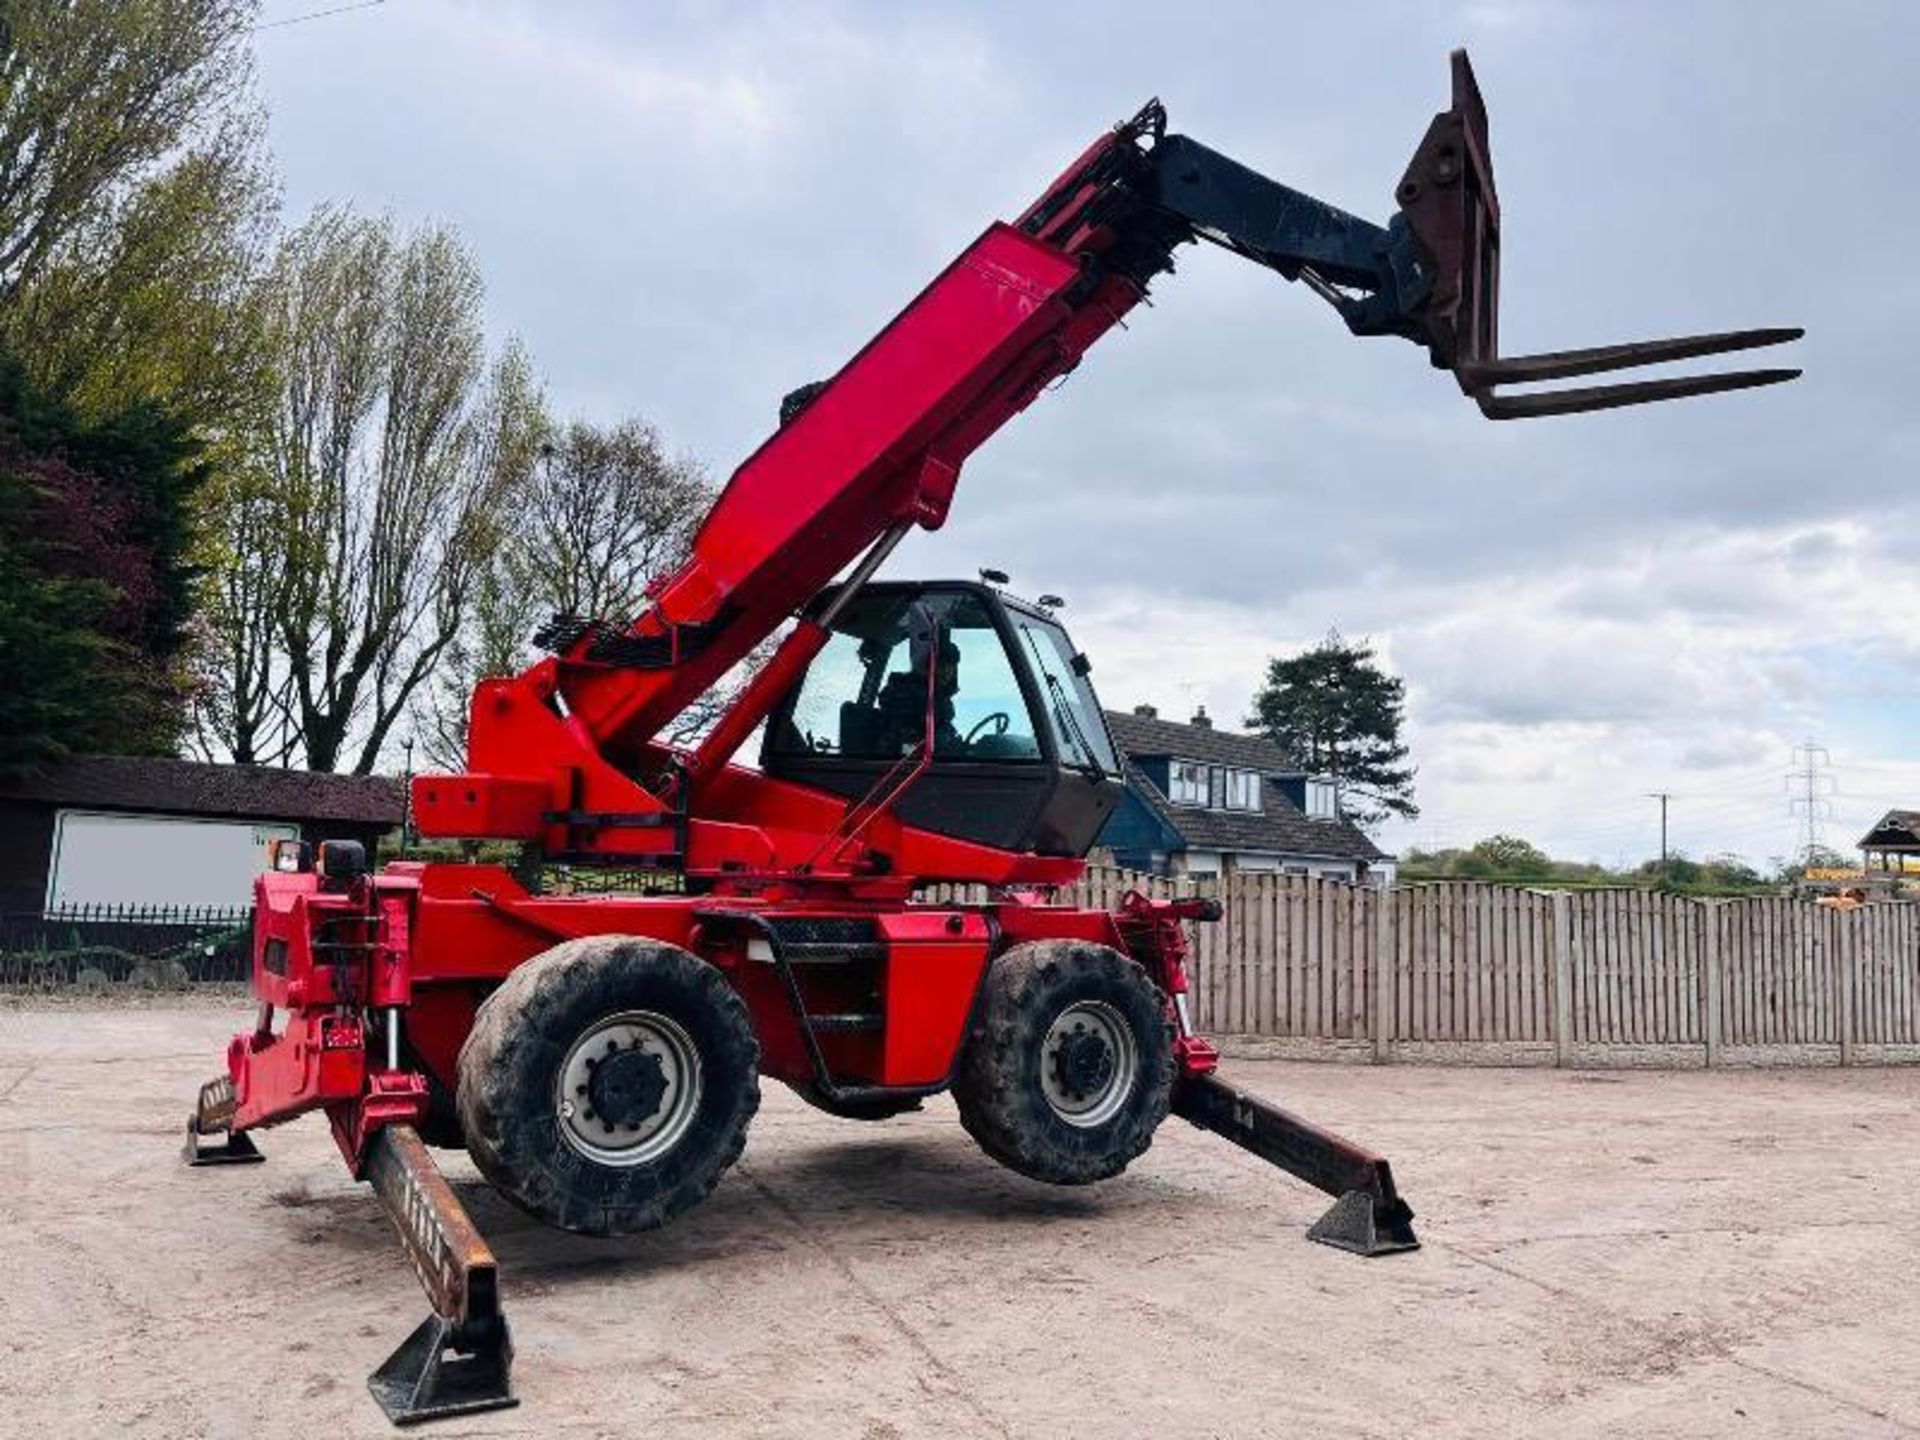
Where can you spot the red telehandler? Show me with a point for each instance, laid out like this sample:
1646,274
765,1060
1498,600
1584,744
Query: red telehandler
600,1056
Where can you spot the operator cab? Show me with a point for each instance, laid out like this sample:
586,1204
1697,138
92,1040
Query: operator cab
1022,759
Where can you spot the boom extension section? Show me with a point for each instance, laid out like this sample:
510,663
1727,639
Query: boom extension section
881,444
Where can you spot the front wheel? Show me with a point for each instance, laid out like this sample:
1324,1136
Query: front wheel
607,1084
1070,1070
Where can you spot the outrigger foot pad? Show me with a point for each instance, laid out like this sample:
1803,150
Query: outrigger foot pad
1358,1222
439,1371
205,1149
1368,1217
213,1116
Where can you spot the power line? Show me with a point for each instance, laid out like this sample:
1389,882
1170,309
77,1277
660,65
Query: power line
316,15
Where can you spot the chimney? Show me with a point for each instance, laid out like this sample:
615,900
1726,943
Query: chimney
1146,712
1201,720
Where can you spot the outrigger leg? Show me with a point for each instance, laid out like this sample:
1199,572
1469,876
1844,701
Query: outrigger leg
460,1359
1368,1216
213,1115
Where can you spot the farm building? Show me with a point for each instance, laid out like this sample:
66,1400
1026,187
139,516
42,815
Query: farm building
134,831
1204,801
1892,847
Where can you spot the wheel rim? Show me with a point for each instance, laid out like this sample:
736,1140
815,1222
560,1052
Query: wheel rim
1088,1063
629,1088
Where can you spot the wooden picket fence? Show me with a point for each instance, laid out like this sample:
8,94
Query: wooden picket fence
1567,977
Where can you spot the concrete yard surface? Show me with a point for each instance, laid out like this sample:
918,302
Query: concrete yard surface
1624,1253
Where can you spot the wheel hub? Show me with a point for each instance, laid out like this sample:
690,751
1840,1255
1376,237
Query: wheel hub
627,1087
1089,1064
1084,1063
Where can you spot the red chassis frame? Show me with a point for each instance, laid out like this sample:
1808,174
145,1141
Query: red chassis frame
432,940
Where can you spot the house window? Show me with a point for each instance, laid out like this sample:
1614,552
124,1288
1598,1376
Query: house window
1217,787
1323,800
1187,783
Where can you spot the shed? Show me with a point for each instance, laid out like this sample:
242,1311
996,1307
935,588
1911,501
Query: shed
1894,842
126,830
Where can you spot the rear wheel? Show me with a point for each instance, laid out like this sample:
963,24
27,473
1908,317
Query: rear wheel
1070,1070
608,1083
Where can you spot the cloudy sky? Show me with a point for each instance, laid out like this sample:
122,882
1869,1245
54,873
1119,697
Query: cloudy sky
686,210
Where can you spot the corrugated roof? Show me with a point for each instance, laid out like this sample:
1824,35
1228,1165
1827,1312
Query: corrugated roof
189,787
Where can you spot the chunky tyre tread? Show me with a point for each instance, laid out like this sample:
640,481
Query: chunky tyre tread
520,1035
998,1087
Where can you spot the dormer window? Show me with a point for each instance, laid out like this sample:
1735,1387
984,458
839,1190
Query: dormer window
1323,800
1187,783
1243,790
1212,787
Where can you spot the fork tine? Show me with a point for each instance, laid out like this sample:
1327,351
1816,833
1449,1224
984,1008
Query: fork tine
1585,398
1565,364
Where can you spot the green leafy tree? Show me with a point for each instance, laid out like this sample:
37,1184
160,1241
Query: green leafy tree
135,201
96,584
1511,857
1335,712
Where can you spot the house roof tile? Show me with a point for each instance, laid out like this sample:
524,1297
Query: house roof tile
1280,828
1140,736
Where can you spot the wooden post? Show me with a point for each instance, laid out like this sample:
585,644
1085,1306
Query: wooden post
1383,973
1710,1026
1846,961
1562,978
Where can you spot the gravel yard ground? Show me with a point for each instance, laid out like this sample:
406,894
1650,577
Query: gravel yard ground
1625,1253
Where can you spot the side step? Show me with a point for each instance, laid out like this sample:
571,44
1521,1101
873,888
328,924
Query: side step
459,1361
213,1115
1368,1217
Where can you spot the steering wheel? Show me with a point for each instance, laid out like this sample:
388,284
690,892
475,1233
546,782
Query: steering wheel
999,720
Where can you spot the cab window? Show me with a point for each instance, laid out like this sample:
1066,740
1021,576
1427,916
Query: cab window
863,699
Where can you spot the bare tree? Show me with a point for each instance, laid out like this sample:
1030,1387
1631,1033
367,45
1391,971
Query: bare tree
388,459
609,510
605,510
242,696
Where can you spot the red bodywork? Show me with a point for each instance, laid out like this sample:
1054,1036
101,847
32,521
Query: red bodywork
564,756
433,939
